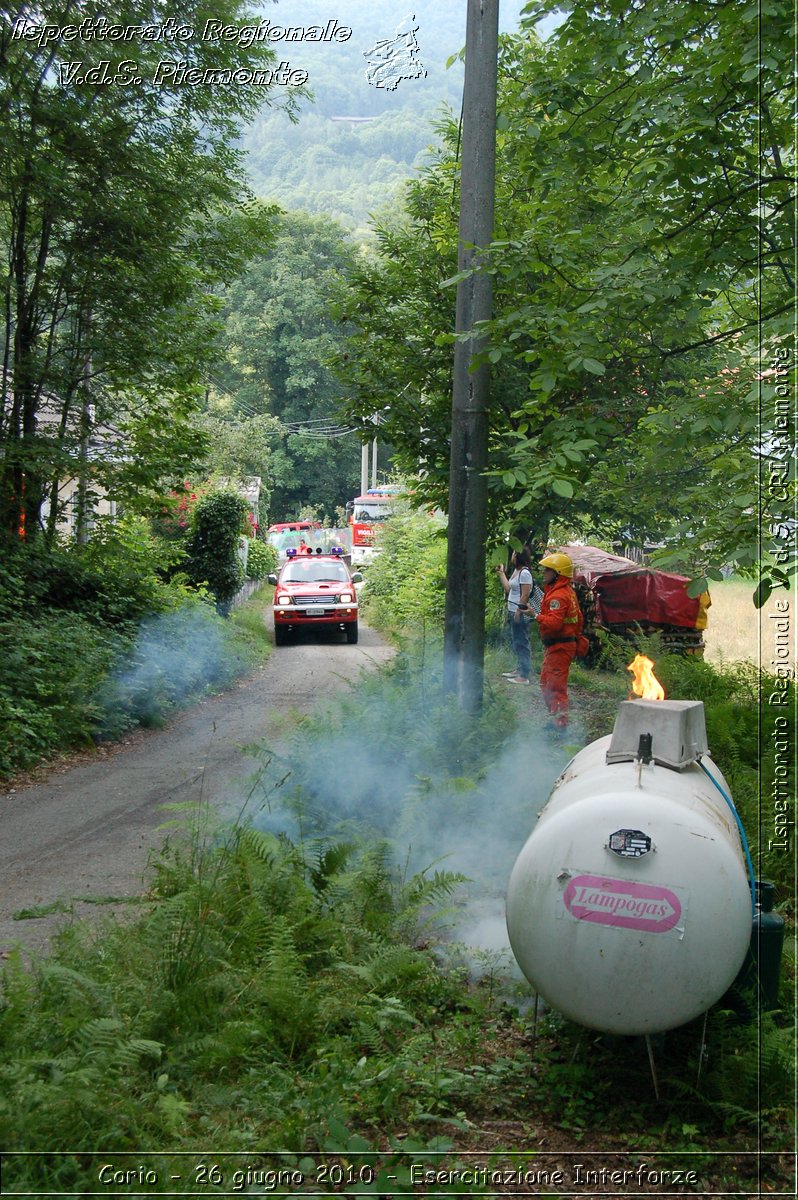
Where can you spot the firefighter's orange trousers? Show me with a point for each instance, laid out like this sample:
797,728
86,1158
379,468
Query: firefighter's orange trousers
554,680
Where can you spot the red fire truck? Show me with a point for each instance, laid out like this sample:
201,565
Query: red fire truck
367,513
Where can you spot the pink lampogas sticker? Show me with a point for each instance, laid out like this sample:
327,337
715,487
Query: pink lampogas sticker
622,903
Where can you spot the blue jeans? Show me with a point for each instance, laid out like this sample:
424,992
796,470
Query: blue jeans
518,632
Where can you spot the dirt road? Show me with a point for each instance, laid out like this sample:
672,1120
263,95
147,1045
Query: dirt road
87,828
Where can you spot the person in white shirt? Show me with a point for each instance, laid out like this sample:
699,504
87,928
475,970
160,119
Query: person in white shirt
517,590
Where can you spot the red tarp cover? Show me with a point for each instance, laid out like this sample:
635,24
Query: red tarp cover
626,592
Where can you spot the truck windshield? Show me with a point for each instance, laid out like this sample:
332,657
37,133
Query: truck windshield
313,571
372,513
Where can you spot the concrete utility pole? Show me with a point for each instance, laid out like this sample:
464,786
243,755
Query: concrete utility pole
464,638
364,468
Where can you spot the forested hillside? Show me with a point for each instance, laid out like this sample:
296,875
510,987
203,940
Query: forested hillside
348,169
273,391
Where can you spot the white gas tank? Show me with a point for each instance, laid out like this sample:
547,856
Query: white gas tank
629,908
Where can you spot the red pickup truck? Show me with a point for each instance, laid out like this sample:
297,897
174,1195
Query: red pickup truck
314,589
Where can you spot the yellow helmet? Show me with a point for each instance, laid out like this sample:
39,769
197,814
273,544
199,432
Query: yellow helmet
560,563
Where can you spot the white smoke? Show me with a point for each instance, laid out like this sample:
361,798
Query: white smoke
174,655
387,773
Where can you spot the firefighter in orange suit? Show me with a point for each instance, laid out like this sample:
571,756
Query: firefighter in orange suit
560,625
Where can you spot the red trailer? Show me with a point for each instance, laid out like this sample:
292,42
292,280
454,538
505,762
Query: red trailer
623,597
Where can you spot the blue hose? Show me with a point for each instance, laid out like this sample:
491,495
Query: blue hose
743,838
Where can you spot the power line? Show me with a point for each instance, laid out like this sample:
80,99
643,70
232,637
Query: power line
319,434
321,428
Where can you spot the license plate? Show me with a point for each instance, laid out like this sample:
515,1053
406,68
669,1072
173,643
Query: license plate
315,612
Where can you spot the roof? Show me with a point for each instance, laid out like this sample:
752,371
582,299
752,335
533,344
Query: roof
248,487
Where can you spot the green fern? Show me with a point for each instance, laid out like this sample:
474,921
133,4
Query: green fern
72,986
329,861
380,1020
750,1070
286,994
105,1039
227,1047
388,967
424,889
253,843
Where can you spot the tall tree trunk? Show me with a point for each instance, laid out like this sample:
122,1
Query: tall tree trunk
23,481
83,509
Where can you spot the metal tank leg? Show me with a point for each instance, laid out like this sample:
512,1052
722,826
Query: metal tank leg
652,1064
579,1044
535,1025
702,1053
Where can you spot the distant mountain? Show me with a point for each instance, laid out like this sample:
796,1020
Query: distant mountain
356,144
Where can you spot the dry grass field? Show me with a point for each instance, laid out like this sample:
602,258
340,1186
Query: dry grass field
733,632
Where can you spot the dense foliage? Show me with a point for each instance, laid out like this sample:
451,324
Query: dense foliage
212,559
640,294
274,407
405,591
405,586
261,559
121,210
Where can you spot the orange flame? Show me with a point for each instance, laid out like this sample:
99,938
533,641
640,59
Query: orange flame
645,683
